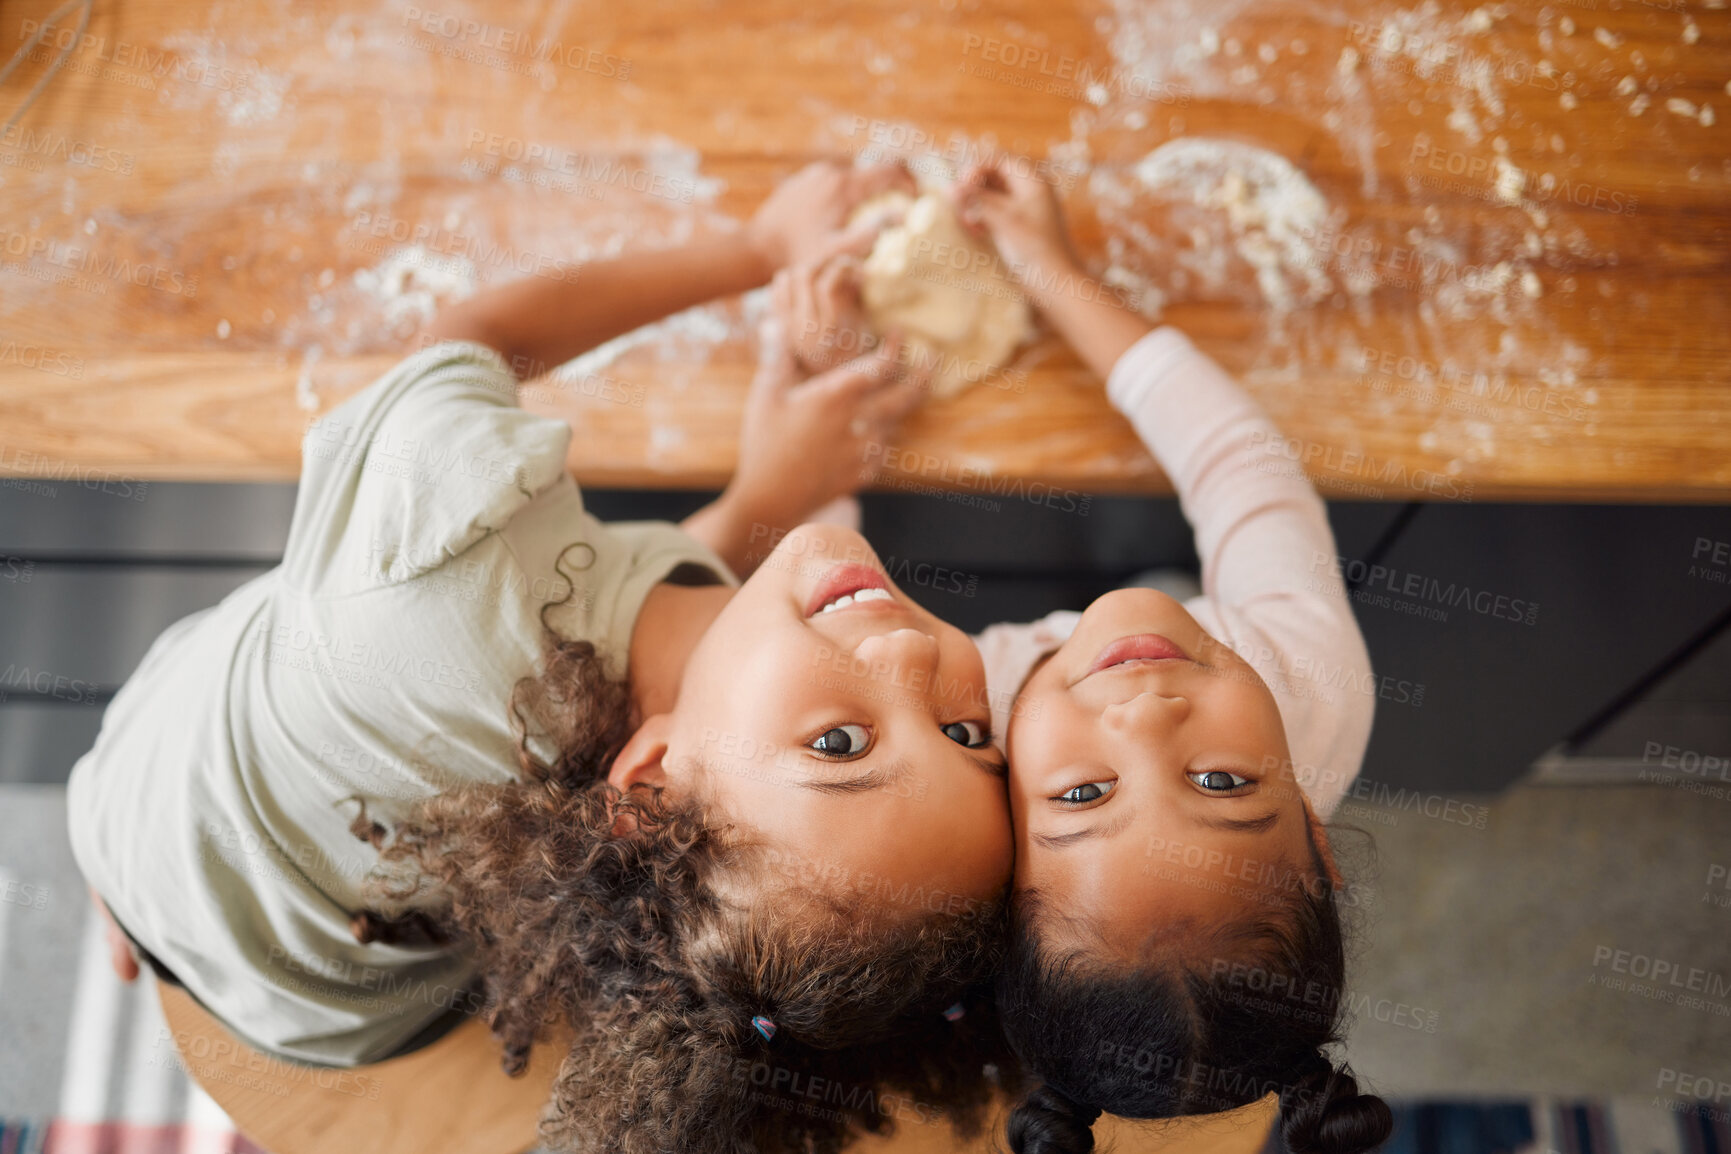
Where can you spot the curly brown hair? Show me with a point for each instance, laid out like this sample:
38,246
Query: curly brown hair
616,929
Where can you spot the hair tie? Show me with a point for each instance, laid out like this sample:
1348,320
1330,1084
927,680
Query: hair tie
764,1027
955,1012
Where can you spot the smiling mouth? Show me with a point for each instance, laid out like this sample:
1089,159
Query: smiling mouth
1143,648
855,598
848,585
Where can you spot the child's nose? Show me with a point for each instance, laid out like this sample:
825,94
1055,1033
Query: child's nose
903,651
1147,712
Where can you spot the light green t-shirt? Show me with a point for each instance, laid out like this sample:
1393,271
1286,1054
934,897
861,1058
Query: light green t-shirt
434,520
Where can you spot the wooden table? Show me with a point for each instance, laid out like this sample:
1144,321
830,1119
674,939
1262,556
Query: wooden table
221,218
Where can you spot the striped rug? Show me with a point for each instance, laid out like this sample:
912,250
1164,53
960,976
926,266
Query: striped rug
122,1087
1551,1126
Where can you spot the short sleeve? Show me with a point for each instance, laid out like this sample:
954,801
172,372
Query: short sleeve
414,469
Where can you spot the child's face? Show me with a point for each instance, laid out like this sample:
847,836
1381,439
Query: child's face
856,741
1145,778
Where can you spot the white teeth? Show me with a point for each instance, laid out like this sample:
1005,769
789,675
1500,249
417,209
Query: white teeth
847,599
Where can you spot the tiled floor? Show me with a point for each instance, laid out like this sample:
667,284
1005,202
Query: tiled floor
1490,957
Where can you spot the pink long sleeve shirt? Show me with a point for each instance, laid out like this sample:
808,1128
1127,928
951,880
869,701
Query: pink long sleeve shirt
1270,576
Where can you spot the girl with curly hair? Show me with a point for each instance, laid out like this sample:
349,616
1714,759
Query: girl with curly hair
468,749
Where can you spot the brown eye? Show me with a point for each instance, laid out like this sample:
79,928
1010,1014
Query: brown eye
1083,794
1219,781
969,733
842,741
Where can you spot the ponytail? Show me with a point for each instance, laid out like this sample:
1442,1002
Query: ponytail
1047,1122
1323,1113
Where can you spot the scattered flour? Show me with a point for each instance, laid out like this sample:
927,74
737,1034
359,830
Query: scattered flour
249,94
676,165
306,393
674,338
1194,213
412,281
1270,211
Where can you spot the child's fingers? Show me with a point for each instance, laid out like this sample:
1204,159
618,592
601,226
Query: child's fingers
890,387
890,176
851,243
805,306
985,176
983,202
891,404
888,354
854,243
776,365
120,955
781,295
912,380
854,381
838,283
984,210
1020,183
888,400
961,196
771,338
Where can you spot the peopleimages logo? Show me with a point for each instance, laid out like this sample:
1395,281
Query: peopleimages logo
206,1058
20,893
509,42
892,462
1290,456
1662,979
1365,577
76,259
33,356
58,146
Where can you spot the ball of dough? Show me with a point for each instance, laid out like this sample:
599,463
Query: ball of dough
948,292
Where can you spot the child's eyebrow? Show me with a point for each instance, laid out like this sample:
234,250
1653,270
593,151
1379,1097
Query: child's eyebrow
895,771
1242,824
997,767
875,778
1099,829
864,783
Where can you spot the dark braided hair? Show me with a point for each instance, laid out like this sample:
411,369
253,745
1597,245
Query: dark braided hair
1182,1036
616,930
1047,1122
1325,1112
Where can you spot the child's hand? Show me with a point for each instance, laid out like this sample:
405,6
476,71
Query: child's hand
820,308
806,442
119,949
1020,213
799,221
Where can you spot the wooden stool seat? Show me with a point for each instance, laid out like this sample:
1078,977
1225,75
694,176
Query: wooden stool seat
452,1097
1241,1131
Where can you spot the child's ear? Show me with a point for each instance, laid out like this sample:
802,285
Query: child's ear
1319,838
640,761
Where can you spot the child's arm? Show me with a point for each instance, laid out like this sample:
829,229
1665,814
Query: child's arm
1270,586
539,323
792,442
1021,216
803,442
